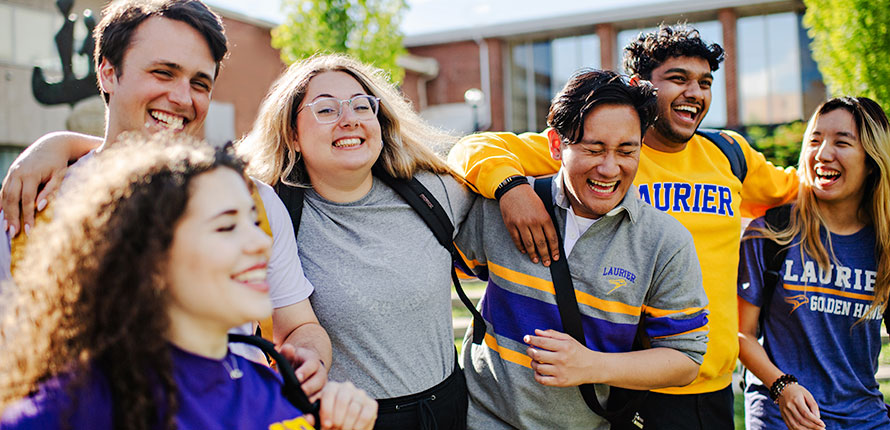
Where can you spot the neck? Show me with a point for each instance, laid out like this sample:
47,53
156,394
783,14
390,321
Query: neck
658,142
343,188
843,217
198,337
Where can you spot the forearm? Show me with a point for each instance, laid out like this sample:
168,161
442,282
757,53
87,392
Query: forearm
644,370
73,145
310,336
755,359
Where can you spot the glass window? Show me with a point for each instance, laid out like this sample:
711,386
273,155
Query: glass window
769,69
711,32
538,70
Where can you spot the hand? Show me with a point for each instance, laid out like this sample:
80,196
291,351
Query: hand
529,224
310,370
799,409
344,407
558,359
44,162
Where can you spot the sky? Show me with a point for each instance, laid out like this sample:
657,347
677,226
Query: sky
432,16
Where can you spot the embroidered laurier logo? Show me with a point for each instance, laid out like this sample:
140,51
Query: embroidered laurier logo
618,283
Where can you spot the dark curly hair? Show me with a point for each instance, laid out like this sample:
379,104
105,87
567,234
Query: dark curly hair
90,291
650,50
589,88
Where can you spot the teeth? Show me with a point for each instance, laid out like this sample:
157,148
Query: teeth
253,276
346,143
603,186
691,109
827,173
173,122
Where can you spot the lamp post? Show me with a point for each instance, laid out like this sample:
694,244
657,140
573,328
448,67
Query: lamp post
473,97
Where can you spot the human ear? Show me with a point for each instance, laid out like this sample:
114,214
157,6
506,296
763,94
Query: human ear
555,143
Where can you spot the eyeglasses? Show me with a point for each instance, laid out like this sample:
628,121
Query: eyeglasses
329,109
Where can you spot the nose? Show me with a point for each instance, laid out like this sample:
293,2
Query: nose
825,151
609,167
348,117
257,242
180,92
694,90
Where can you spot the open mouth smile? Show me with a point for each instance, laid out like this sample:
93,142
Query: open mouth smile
602,187
253,278
687,112
349,142
167,120
826,176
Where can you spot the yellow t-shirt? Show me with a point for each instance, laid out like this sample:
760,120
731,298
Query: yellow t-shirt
695,185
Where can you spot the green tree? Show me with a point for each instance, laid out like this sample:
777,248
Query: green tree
780,145
851,39
365,29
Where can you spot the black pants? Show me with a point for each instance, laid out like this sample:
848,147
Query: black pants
442,407
707,411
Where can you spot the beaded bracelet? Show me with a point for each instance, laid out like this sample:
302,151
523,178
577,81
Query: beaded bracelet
776,390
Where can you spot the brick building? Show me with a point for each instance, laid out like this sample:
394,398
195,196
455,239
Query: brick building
768,77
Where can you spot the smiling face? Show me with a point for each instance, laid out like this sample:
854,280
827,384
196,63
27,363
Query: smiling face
346,147
600,168
163,83
684,96
835,161
217,261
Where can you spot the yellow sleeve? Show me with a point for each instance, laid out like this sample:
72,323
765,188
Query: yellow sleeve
766,185
486,159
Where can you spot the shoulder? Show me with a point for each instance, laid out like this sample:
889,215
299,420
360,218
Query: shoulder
655,223
88,408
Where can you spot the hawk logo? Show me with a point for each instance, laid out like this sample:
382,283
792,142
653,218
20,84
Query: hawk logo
796,301
618,283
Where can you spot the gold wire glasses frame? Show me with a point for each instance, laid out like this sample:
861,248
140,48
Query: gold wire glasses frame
330,109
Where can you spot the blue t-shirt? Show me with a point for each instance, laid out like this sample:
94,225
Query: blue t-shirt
208,399
810,333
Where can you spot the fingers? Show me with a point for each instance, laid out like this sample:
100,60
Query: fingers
528,244
343,406
552,240
308,368
799,409
10,195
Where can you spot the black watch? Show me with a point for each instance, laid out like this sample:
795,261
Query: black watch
509,184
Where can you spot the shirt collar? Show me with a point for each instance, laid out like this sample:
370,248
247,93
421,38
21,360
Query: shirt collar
630,203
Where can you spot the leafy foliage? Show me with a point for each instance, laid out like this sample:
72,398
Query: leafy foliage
365,29
780,145
851,39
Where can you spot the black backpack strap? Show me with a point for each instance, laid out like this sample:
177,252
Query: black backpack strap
292,197
570,315
428,208
773,255
291,389
730,148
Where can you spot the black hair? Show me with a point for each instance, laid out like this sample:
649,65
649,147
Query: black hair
650,50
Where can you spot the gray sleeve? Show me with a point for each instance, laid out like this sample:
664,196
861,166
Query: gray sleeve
469,239
676,313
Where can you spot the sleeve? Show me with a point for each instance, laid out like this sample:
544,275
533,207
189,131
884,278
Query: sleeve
751,265
455,197
766,185
287,284
486,159
470,241
676,307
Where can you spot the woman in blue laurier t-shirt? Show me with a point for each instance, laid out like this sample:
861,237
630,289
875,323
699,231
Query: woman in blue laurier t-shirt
815,367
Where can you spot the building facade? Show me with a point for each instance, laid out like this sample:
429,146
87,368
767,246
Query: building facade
768,77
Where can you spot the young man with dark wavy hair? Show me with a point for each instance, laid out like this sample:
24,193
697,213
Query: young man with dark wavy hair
682,173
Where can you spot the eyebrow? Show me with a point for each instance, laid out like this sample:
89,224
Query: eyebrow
179,68
333,97
686,72
840,133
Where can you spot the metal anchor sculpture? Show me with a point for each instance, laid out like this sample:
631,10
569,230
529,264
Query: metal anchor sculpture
70,89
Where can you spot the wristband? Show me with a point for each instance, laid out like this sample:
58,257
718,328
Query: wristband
776,390
508,184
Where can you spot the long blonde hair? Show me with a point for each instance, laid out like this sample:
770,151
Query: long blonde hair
806,216
408,141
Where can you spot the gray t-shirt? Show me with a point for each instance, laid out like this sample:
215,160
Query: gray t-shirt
382,286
